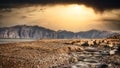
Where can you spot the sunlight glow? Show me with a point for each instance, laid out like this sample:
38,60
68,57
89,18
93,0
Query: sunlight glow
72,17
76,8
82,11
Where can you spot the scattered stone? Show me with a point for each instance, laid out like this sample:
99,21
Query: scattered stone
73,66
110,45
91,43
112,52
96,42
109,65
91,49
81,65
73,60
85,43
103,44
91,60
103,66
79,44
105,53
86,55
118,49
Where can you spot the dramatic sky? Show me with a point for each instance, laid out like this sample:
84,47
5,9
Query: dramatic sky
71,15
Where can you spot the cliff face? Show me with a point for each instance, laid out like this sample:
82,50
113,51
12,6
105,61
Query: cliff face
26,32
36,32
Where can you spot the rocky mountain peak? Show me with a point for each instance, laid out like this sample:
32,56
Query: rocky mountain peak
38,32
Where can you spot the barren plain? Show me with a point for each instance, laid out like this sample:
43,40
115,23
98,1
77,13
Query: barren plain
61,53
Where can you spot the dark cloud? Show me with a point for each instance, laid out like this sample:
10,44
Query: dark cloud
113,24
118,15
1,16
23,17
6,10
100,5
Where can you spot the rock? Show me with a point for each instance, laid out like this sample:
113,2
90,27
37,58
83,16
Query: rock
112,52
73,60
110,65
70,49
110,45
82,65
105,53
65,66
103,66
103,44
96,42
114,37
82,55
97,54
91,49
85,43
105,41
118,49
73,66
94,65
90,43
79,44
91,60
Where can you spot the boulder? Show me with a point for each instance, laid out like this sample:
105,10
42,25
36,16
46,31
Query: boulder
73,60
111,45
112,52
118,50
85,43
103,66
82,65
90,43
91,49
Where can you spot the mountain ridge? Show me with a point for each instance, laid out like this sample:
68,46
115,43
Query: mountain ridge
38,32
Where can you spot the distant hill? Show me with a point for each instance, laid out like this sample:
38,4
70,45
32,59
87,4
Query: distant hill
37,32
65,34
95,34
114,37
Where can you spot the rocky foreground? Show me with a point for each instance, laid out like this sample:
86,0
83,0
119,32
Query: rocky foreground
87,53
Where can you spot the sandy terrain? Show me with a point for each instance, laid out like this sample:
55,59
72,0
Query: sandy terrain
39,54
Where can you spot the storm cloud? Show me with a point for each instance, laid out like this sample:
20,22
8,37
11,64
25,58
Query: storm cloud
71,13
99,5
112,24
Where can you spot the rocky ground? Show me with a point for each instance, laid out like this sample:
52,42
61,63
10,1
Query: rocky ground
73,53
96,54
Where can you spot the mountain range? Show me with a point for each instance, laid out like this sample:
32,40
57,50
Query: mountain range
37,32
